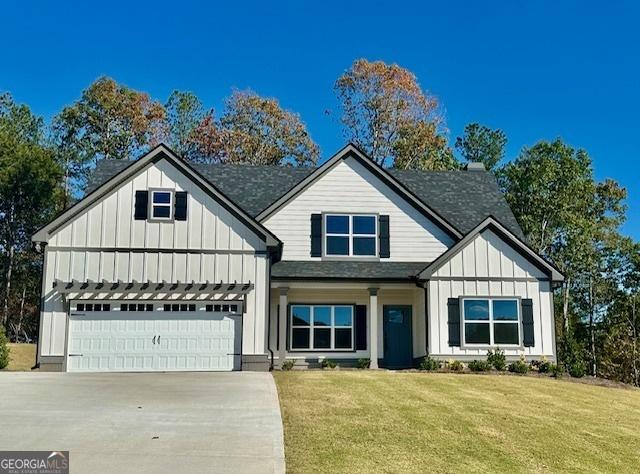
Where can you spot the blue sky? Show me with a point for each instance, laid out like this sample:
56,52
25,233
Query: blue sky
538,70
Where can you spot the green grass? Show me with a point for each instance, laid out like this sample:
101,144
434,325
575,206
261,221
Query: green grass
365,421
23,356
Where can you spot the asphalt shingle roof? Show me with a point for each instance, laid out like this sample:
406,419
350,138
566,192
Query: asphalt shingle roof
463,198
347,270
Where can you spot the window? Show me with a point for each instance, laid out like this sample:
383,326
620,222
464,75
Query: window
93,307
493,322
135,307
162,205
351,235
321,327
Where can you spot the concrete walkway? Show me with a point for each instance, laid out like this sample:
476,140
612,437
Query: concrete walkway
152,422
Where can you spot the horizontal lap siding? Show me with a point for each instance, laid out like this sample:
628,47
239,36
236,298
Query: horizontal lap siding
235,253
503,272
350,188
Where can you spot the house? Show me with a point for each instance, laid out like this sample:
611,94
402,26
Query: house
166,265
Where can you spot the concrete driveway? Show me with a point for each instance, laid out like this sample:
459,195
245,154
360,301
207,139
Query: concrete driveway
160,422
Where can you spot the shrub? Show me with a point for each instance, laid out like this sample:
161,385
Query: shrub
455,365
577,369
429,363
288,364
497,359
555,370
328,364
519,367
4,350
364,363
479,366
544,366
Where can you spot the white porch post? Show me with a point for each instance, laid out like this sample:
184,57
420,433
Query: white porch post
373,327
282,325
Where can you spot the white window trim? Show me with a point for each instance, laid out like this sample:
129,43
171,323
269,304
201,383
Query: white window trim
332,327
170,205
491,322
350,235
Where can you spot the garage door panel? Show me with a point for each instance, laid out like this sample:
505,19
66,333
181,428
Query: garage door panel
153,339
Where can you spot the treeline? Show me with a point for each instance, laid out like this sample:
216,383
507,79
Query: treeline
567,215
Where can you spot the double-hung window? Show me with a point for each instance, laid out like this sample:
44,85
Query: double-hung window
351,235
491,322
161,205
321,327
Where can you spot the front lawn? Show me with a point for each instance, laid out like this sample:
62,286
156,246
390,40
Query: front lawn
22,356
370,421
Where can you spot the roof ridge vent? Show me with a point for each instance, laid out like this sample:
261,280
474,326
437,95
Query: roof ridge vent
474,166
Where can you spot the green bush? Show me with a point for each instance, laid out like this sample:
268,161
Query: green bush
328,364
364,363
4,350
479,366
455,365
497,359
556,370
288,364
577,369
544,366
429,363
519,367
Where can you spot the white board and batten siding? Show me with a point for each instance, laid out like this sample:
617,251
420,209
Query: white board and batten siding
104,242
350,188
489,267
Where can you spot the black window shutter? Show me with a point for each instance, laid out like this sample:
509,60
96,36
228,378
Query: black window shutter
453,305
316,235
383,229
361,327
141,205
180,211
528,338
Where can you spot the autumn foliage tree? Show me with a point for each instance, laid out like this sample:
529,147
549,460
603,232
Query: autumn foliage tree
386,112
109,121
258,130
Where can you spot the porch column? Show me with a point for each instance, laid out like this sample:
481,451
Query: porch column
373,327
282,325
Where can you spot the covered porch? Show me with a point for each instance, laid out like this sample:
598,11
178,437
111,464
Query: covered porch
346,321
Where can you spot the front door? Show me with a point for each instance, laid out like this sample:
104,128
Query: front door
398,350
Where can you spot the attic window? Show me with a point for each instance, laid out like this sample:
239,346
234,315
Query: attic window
161,205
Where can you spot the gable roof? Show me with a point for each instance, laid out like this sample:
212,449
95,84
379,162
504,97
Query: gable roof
519,245
462,198
112,180
351,151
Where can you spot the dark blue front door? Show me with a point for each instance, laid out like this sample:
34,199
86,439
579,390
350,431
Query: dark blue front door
398,351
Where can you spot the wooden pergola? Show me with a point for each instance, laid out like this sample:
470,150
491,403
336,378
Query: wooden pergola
84,290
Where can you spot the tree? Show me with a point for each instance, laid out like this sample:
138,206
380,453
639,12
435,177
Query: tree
29,191
257,130
385,112
566,215
184,115
109,121
419,147
481,144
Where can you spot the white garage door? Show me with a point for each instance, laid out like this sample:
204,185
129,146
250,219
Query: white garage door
154,336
